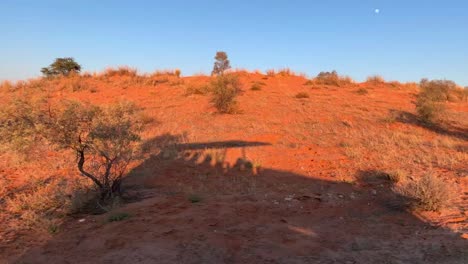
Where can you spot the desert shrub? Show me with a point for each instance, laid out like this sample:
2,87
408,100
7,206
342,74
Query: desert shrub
302,95
166,73
430,101
271,72
362,91
120,71
285,72
458,94
309,82
429,193
332,78
397,176
104,140
202,89
328,78
429,111
436,90
61,67
224,89
221,64
375,79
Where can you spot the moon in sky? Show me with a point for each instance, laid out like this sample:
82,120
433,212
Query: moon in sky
377,11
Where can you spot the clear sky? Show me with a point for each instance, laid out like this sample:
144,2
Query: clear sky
406,40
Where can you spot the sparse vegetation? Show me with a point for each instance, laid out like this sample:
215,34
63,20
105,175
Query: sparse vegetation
430,101
61,67
332,78
120,71
375,79
428,193
224,89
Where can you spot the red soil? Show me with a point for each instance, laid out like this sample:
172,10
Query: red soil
310,193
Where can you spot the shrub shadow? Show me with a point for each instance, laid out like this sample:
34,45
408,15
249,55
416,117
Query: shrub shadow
445,129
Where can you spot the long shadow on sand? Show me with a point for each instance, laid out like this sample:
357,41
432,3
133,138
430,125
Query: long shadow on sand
446,129
247,214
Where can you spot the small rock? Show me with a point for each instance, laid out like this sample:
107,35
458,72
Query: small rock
374,192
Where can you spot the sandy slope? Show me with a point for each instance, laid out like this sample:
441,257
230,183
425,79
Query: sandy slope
285,181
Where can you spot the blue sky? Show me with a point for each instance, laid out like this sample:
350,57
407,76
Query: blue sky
406,41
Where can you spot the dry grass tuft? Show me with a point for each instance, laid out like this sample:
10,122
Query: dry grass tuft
429,193
375,80
120,71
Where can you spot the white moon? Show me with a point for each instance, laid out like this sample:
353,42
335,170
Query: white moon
377,11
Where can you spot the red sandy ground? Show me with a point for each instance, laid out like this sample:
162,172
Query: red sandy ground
304,200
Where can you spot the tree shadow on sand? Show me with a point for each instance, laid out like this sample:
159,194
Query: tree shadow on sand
249,214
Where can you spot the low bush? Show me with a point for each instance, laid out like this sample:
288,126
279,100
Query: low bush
120,71
430,103
429,193
224,89
332,78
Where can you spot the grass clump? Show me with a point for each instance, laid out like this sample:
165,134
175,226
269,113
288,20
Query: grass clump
429,193
302,95
375,79
397,176
224,89
362,91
